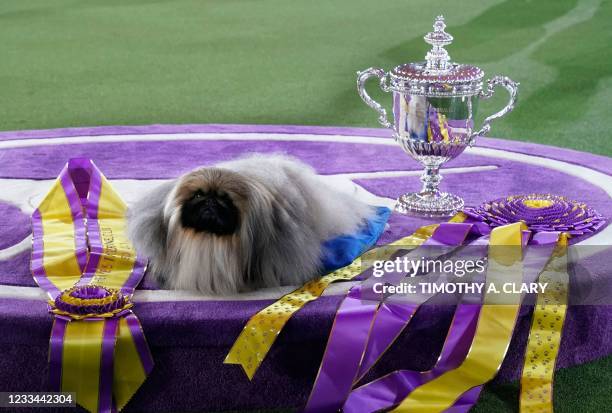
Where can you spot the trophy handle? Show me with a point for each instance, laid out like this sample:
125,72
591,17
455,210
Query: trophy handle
512,88
362,77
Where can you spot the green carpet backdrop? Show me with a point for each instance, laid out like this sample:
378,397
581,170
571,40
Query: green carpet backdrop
108,62
127,62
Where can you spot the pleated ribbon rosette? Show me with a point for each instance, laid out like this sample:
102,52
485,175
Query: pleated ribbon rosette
524,239
84,261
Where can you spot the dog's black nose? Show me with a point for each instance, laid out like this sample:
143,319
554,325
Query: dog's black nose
210,212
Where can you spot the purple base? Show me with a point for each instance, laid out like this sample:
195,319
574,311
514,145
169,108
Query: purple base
189,340
14,225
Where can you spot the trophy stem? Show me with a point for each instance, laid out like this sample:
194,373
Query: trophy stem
430,202
431,181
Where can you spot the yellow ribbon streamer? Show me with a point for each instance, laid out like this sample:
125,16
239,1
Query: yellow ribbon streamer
545,335
81,361
128,372
119,256
493,332
59,254
258,335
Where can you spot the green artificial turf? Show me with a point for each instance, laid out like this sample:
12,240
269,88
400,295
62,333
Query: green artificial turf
579,389
108,62
127,62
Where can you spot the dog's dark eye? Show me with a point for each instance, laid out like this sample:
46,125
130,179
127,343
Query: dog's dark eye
198,195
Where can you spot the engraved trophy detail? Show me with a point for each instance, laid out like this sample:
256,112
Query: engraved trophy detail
434,104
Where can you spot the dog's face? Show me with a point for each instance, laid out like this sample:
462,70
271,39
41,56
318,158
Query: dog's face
204,237
211,201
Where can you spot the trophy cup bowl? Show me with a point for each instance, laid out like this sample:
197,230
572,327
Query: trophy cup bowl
434,104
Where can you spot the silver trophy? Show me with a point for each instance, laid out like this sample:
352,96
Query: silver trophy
434,104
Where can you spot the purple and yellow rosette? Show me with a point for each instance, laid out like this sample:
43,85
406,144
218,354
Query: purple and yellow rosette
90,301
83,260
540,212
479,334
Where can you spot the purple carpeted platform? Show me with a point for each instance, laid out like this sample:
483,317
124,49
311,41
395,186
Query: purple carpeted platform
189,339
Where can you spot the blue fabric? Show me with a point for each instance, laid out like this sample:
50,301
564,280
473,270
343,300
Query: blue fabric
342,250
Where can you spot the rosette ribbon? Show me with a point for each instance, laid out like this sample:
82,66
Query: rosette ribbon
555,215
540,212
481,328
84,261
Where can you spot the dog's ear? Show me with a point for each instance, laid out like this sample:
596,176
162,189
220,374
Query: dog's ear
147,227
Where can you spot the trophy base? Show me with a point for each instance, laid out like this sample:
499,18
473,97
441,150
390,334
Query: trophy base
437,205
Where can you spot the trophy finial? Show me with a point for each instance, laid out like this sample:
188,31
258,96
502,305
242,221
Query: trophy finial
437,58
439,24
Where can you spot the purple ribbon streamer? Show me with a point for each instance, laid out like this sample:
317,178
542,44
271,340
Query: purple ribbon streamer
390,390
80,239
109,338
351,333
36,263
393,317
56,345
93,230
532,261
393,388
344,349
140,342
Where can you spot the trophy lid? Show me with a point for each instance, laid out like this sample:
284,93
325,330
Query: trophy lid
437,75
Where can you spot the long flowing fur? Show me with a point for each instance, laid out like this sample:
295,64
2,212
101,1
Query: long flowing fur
285,212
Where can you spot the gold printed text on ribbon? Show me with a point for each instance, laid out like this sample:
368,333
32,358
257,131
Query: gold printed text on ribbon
117,260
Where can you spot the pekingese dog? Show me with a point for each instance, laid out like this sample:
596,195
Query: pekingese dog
240,225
